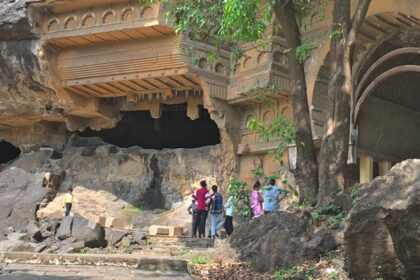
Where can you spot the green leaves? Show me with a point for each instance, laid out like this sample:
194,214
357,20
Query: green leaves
304,51
242,201
331,214
335,33
353,194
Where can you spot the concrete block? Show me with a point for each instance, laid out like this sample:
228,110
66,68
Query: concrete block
166,230
118,223
108,221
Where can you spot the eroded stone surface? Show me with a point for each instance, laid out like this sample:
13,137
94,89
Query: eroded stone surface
282,240
20,192
382,238
108,178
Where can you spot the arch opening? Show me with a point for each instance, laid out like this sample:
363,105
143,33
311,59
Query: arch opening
172,130
387,106
8,152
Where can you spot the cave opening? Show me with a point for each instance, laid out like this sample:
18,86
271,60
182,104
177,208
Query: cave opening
8,152
173,130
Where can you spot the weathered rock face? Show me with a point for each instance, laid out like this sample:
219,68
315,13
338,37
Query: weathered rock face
21,76
105,178
20,193
282,240
382,238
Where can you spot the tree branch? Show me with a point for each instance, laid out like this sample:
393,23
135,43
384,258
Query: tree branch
358,18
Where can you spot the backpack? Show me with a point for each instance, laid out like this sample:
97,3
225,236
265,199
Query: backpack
215,205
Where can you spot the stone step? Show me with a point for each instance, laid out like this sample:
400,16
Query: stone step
125,260
174,249
175,246
162,252
180,240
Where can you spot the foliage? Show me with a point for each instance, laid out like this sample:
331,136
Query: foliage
200,260
332,214
296,272
242,201
127,249
304,205
231,22
335,33
83,251
304,51
353,194
277,130
183,254
111,249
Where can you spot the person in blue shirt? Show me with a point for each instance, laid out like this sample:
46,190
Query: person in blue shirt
216,212
272,196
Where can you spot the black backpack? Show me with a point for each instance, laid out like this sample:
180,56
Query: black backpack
216,202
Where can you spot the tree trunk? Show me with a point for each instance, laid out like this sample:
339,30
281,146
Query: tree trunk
306,173
334,148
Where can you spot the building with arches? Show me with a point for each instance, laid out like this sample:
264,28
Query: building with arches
85,64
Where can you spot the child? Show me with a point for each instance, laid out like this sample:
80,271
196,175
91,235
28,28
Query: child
68,200
229,216
256,200
195,220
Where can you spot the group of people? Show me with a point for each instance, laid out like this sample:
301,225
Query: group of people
202,203
263,201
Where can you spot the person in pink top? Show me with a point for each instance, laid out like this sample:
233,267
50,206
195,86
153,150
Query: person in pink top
256,200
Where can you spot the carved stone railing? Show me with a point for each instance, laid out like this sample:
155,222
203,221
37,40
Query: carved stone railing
126,49
108,22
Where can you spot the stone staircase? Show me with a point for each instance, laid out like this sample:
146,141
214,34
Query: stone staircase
156,253
172,246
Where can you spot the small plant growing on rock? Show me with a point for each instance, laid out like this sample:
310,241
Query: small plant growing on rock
183,254
127,249
332,214
353,194
83,251
200,260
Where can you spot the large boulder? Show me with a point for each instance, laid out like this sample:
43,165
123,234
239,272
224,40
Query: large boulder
282,240
113,236
20,192
33,231
20,246
382,238
88,231
64,231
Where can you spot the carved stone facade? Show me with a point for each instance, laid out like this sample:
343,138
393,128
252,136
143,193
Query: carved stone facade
93,60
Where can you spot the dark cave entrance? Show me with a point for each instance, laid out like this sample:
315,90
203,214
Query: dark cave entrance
8,152
173,130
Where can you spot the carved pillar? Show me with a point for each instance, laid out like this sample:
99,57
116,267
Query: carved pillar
155,109
366,168
384,167
192,107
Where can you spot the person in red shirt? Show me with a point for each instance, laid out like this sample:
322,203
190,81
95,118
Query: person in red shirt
203,200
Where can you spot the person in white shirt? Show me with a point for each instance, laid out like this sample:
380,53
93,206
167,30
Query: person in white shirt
229,207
